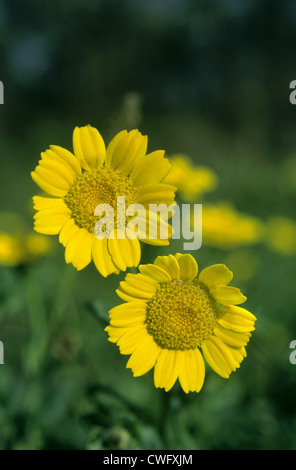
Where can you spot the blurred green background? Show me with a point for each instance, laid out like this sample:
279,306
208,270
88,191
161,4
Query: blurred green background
209,79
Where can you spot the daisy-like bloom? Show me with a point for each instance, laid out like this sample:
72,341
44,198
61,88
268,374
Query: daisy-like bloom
224,227
77,183
173,321
192,181
18,244
21,249
280,235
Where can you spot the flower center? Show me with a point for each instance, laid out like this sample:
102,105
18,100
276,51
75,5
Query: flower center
181,315
91,188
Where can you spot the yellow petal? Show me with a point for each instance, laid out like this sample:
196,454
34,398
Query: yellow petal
156,273
50,221
200,370
130,340
136,307
236,318
188,266
125,252
169,264
155,193
227,295
191,370
68,157
218,356
128,314
126,297
89,147
152,169
166,369
46,202
102,258
156,242
238,355
230,337
144,356
67,231
136,286
51,182
158,231
118,145
216,275
125,149
115,333
60,209
128,320
142,282
127,292
52,161
79,248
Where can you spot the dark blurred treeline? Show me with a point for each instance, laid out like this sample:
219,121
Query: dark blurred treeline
227,61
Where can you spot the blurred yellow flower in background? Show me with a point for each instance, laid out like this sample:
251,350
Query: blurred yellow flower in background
225,227
77,183
12,252
173,321
280,235
18,244
192,181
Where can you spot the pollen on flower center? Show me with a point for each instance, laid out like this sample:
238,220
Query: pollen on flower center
91,188
181,315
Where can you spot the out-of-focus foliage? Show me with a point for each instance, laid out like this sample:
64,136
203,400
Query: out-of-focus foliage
205,79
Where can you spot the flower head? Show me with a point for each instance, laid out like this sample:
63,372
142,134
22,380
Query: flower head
192,181
18,244
173,321
224,227
77,183
280,235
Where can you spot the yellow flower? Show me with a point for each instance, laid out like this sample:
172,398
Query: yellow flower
18,245
281,235
225,227
95,175
11,250
170,318
192,181
37,245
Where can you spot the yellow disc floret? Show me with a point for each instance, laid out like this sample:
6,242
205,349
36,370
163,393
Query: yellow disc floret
91,188
181,315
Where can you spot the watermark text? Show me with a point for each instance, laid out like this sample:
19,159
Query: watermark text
1,353
1,93
293,353
156,222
